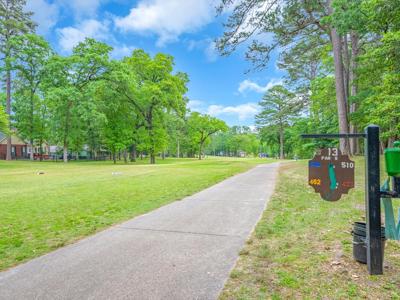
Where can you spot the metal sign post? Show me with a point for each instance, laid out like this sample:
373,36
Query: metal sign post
372,193
373,201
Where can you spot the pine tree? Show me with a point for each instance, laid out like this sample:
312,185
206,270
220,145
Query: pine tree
278,107
13,21
288,22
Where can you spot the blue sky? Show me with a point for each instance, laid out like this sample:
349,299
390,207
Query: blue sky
185,29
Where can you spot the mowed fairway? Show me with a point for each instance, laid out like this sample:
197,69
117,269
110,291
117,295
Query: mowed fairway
39,213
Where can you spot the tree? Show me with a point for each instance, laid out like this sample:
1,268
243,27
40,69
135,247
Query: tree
379,78
176,129
117,130
4,127
201,127
304,61
151,88
13,22
290,22
235,141
278,107
29,105
68,93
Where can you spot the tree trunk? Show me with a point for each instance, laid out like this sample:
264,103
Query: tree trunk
31,146
178,154
200,149
346,68
133,153
281,143
340,89
391,140
114,157
8,110
41,150
66,132
31,124
163,154
125,156
151,134
354,143
65,151
382,147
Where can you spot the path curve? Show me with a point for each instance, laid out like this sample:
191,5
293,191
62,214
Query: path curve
184,250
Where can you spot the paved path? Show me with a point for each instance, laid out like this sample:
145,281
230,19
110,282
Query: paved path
184,250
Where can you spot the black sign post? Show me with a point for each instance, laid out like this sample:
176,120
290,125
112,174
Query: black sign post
373,201
372,193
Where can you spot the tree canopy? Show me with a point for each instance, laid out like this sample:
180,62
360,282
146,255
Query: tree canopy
3,121
340,56
341,60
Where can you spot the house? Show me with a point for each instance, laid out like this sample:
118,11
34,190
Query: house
20,149
242,153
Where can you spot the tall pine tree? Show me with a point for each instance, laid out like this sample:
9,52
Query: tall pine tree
13,21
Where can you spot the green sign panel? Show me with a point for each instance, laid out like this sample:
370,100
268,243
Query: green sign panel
331,173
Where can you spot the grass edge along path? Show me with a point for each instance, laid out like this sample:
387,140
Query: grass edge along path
302,247
40,213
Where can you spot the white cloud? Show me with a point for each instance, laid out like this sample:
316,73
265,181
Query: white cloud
83,8
253,86
167,19
122,51
45,14
211,52
197,105
193,44
242,111
69,37
205,45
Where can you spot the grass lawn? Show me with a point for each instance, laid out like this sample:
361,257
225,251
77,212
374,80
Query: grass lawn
39,213
302,247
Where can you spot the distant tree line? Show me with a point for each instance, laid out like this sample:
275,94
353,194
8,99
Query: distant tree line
237,141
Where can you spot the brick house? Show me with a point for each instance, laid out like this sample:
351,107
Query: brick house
19,148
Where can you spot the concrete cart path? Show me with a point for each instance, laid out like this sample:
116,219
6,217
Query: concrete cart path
184,250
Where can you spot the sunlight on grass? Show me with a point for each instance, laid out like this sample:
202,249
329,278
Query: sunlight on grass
39,213
302,247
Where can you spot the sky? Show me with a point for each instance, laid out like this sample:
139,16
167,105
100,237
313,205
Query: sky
186,29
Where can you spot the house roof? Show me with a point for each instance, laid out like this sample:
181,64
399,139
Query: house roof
15,140
2,136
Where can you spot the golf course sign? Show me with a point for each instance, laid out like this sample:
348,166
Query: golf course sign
331,173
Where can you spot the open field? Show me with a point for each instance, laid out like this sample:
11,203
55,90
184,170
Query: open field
302,247
39,213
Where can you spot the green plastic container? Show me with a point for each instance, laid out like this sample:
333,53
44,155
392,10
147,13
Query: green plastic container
392,158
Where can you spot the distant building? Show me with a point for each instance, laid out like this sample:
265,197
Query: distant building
20,149
242,154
